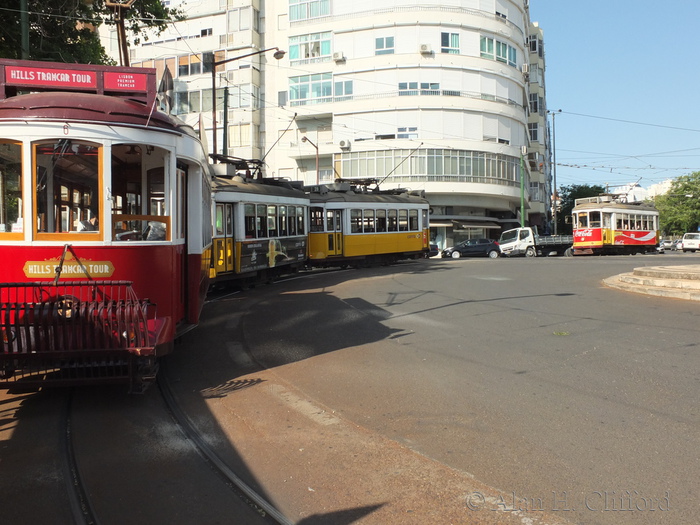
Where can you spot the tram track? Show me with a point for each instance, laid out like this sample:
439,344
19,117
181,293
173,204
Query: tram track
80,504
239,487
109,475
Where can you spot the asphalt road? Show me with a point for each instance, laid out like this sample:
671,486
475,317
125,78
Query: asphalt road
529,374
437,391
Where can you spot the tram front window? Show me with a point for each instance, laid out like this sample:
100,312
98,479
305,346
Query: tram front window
67,186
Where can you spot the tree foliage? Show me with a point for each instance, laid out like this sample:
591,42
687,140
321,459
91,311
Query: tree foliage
679,208
567,199
66,30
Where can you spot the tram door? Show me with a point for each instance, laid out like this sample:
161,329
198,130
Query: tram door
223,242
334,229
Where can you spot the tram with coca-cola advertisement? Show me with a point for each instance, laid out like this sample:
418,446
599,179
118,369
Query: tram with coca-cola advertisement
105,225
609,225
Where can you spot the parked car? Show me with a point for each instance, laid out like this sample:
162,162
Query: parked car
665,245
434,250
691,242
473,248
678,244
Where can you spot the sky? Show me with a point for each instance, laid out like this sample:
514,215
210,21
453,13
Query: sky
625,75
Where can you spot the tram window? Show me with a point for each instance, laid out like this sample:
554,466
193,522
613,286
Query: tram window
368,222
316,219
425,219
300,221
618,222
356,221
330,220
292,220
583,220
219,219
381,220
403,220
261,220
413,220
249,221
229,220
11,188
606,220
64,167
393,222
272,221
283,221
156,191
595,219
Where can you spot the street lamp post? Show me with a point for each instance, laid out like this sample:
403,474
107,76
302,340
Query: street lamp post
554,170
306,139
278,55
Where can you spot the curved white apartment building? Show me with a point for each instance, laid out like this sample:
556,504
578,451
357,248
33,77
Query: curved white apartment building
445,96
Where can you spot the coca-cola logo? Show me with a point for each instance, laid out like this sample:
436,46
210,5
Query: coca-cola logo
584,233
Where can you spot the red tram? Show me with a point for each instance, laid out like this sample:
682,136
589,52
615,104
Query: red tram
607,225
105,229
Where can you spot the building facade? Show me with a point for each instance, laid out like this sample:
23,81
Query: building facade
445,96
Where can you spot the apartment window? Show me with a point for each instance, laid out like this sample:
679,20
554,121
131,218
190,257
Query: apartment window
342,90
188,102
306,9
412,88
384,46
242,19
311,89
496,50
189,65
449,43
407,133
205,32
536,45
533,129
534,103
306,47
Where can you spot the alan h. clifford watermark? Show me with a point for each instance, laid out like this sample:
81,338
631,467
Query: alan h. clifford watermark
594,501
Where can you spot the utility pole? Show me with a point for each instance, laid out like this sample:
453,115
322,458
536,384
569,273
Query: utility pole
119,11
24,22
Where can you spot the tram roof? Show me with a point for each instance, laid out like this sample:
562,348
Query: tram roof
86,107
267,187
370,197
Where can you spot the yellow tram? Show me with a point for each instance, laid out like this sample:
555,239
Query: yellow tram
351,224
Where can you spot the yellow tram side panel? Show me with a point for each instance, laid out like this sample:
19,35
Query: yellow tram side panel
364,244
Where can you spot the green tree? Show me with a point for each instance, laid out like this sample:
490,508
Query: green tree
679,208
567,199
66,30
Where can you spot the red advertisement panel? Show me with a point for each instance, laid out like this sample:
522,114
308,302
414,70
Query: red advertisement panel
588,236
635,237
50,77
125,81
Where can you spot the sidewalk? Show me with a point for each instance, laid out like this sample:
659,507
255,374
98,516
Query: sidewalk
323,469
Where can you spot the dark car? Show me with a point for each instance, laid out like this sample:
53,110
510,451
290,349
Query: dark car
473,248
434,250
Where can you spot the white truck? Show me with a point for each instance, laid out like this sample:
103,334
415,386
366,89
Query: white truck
526,241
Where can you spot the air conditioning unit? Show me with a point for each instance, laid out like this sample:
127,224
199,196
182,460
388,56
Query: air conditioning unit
425,49
338,56
526,69
344,144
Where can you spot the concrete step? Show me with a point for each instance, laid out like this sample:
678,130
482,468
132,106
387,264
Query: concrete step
678,282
